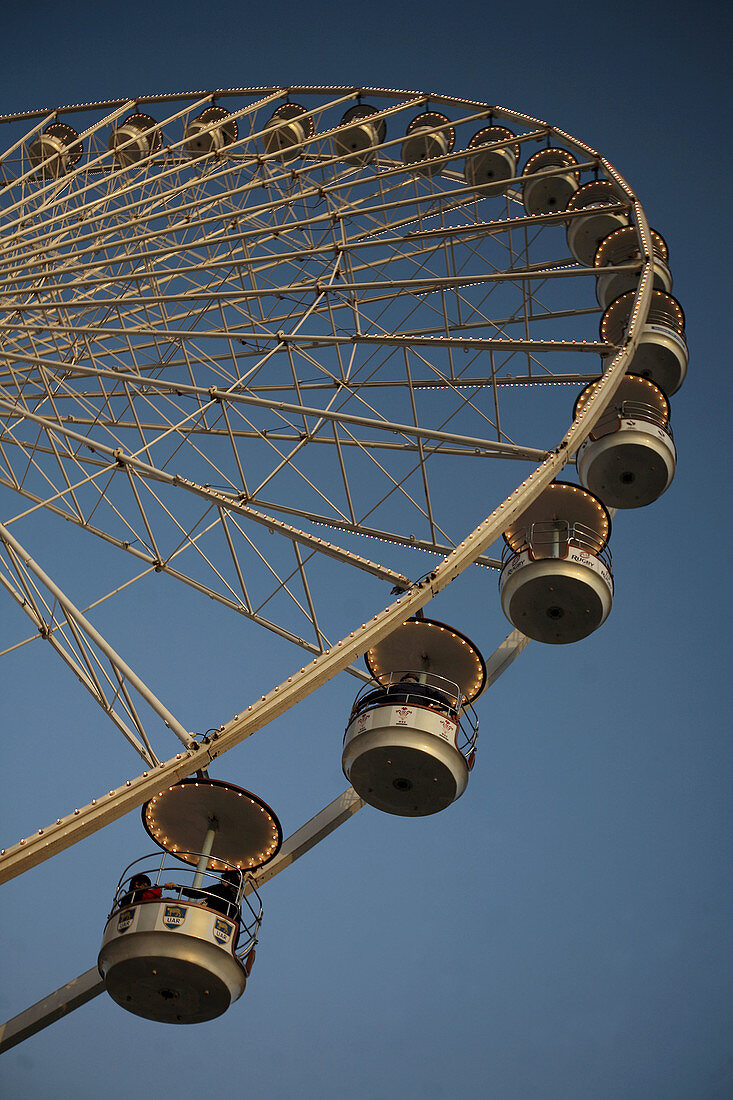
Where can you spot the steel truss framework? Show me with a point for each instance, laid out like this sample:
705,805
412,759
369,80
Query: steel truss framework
248,373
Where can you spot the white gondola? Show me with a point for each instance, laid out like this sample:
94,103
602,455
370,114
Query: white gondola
286,131
629,458
55,151
549,181
586,231
410,743
556,583
430,135
622,247
210,132
360,134
491,160
136,139
661,354
180,952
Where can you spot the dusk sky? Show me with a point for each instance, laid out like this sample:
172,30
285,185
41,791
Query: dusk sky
563,930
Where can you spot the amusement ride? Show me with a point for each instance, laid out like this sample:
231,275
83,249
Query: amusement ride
313,353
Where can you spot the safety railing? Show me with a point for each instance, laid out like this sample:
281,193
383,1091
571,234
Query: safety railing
659,315
630,410
237,900
553,539
409,687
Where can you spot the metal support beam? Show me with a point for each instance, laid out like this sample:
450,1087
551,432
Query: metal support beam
73,614
46,842
502,657
310,834
51,1008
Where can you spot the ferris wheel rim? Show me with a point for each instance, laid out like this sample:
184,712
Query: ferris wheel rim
329,662
134,793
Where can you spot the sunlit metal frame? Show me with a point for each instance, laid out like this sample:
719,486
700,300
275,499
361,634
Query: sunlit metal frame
90,459
83,460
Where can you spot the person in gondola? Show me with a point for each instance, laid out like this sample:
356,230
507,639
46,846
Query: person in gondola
408,689
141,889
223,896
411,690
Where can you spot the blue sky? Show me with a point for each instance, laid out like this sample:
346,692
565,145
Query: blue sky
562,930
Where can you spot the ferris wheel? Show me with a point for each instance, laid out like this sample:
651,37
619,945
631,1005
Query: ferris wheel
314,353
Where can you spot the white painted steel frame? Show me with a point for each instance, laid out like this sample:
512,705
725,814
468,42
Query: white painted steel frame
334,658
96,815
84,638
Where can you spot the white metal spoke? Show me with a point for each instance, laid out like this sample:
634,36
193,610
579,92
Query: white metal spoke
81,648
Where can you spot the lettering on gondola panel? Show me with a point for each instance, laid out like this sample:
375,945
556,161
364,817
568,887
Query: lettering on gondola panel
574,555
222,930
125,919
174,916
403,714
517,562
590,561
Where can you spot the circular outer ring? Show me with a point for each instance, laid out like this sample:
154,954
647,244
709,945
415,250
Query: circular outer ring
455,656
36,848
249,834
